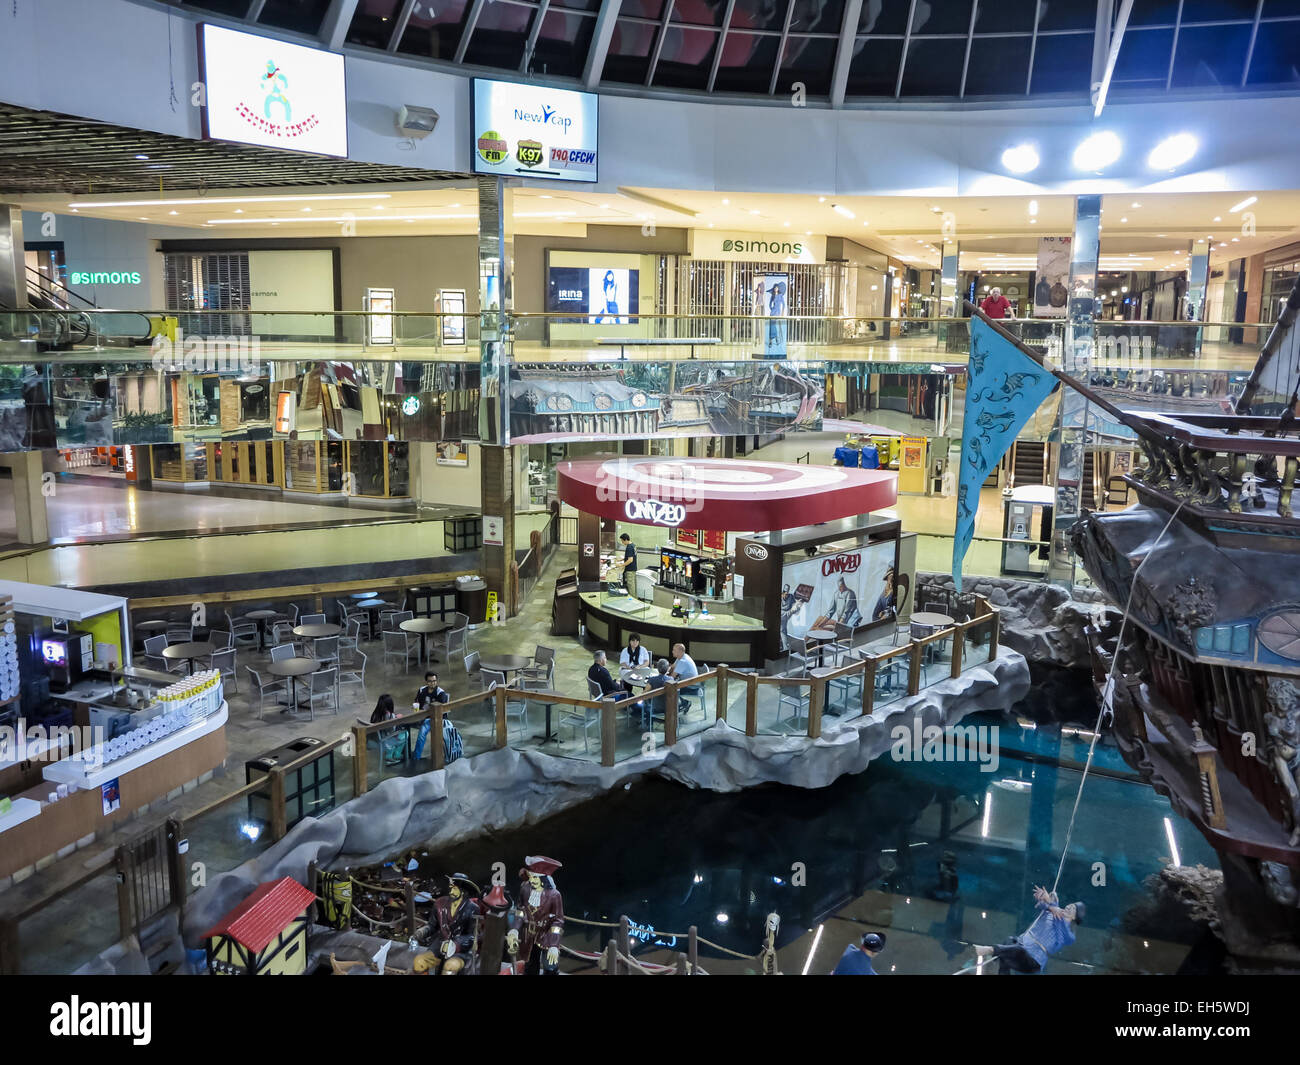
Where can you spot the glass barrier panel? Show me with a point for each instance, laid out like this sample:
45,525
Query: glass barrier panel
936,659
70,931
975,649
783,707
697,706
476,723
891,678
235,832
844,694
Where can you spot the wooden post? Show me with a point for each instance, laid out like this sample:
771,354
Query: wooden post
868,685
501,738
670,713
693,949
958,648
608,732
492,948
914,669
624,936
122,860
9,948
409,898
683,967
995,632
439,753
313,885
278,817
720,703
751,704
816,700
176,862
359,760
611,958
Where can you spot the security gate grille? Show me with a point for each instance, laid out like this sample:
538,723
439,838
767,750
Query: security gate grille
148,877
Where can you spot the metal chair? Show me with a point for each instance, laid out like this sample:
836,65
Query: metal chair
399,644
800,654
453,640
225,662
694,691
516,709
541,674
312,619
279,686
221,639
471,663
281,632
352,638
281,651
324,687
390,616
153,649
796,702
242,630
490,678
351,673
178,633
326,649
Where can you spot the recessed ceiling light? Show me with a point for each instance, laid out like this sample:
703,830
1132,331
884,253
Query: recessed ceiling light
1123,219
75,211
785,223
1020,159
1098,151
545,196
1135,206
1235,239
306,208
839,208
1159,234
807,232
1243,205
239,210
457,205
937,210
1173,152
1033,221
1217,218
753,212
142,157
142,218
173,212
725,201
376,207
820,199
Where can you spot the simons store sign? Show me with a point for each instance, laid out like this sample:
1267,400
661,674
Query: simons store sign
778,247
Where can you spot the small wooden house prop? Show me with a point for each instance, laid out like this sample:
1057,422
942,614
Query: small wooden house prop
265,935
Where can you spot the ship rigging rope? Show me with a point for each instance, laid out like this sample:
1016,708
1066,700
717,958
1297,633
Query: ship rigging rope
1108,695
1107,698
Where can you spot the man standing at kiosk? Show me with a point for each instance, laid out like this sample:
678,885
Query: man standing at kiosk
629,557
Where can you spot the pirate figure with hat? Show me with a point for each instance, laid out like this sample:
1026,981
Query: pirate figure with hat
537,921
456,914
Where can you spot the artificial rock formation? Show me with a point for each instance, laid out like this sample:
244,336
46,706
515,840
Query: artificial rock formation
507,788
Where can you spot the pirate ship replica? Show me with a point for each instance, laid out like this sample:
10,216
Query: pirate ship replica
1204,673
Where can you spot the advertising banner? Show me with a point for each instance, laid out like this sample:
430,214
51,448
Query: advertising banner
856,587
585,401
259,90
603,296
771,301
452,453
1051,289
534,130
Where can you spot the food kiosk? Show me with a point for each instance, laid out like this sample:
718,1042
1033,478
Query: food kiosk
711,536
95,738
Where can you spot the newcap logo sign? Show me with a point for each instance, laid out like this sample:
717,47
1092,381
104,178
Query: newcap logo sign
758,247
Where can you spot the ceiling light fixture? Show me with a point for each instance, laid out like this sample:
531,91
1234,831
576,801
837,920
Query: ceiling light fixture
1173,152
839,208
1243,205
142,157
1135,206
1033,208
1098,151
1021,158
229,199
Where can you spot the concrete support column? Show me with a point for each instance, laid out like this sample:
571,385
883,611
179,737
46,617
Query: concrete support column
497,465
13,264
1077,355
30,519
1198,282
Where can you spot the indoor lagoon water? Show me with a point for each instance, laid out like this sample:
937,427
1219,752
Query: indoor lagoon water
938,855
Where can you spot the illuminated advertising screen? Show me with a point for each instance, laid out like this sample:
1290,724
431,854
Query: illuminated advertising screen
604,296
258,90
534,130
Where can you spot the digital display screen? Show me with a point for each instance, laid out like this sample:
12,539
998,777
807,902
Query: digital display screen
55,652
603,296
259,90
534,130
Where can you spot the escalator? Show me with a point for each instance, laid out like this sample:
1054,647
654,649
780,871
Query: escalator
1088,494
68,319
1028,463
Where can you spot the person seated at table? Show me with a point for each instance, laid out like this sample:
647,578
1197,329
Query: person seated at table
432,692
656,684
384,710
633,656
391,741
684,668
599,672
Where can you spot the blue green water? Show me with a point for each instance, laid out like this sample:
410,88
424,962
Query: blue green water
669,857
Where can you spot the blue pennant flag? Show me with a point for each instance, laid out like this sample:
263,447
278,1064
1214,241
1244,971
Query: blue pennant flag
1003,389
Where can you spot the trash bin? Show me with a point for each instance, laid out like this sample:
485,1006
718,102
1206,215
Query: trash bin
471,599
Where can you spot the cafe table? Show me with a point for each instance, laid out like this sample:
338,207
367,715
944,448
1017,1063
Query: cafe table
261,617
293,668
188,652
426,627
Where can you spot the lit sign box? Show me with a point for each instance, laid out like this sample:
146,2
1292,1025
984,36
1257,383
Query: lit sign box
259,90
534,131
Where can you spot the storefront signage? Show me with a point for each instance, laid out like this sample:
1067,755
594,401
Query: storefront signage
756,551
99,277
259,90
534,130
757,247
654,512
841,564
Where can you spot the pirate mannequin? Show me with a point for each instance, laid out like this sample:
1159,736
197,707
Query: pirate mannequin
537,921
457,916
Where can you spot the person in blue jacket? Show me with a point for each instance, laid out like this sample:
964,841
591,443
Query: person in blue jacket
1052,931
856,960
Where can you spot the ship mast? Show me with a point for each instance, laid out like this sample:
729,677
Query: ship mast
1283,328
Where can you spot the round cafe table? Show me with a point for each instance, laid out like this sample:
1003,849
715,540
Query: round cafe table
293,668
145,629
318,630
188,652
924,623
638,675
823,637
261,617
426,627
372,606
506,664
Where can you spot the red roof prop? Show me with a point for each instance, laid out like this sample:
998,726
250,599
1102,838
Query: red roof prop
256,921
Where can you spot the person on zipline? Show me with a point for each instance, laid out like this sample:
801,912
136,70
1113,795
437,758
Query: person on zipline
1052,930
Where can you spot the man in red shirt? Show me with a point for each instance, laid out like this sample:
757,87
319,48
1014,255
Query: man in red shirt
996,305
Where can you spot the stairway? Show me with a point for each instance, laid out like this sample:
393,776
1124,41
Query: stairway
1028,463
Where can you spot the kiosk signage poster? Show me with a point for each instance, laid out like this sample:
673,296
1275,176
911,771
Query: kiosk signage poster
849,588
771,299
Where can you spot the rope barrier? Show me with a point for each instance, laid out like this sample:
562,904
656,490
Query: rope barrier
677,935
